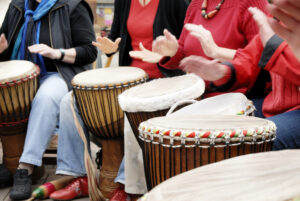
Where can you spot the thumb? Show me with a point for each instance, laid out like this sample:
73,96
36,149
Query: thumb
168,35
117,41
142,46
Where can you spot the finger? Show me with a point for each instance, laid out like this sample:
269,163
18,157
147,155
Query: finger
290,7
136,54
96,44
291,23
257,15
143,48
191,27
197,35
214,61
168,35
279,29
99,39
117,41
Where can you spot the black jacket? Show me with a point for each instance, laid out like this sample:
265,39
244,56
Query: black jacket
60,32
170,15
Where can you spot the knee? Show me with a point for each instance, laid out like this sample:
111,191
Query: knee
286,139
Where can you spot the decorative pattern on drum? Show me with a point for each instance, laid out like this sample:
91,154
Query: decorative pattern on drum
174,144
153,99
18,86
96,93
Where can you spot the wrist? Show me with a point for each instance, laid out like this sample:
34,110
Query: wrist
61,54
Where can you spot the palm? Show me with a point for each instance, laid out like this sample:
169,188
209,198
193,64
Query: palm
106,45
166,45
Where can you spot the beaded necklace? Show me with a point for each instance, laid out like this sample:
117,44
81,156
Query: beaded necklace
212,13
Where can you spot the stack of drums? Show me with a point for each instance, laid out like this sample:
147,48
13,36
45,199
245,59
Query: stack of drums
18,86
155,98
96,93
175,144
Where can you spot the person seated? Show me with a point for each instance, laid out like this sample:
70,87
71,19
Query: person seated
269,52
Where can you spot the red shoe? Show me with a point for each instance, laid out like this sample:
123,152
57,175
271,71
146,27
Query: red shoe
119,194
76,188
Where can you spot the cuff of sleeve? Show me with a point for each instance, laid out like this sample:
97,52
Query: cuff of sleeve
224,79
269,50
227,81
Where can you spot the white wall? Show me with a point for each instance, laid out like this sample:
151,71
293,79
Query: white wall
3,8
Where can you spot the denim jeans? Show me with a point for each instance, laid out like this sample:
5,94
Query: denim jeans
70,151
288,127
43,117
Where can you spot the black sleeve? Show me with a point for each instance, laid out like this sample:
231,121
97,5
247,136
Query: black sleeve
115,28
82,36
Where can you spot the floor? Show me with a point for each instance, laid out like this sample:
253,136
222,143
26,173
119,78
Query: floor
48,176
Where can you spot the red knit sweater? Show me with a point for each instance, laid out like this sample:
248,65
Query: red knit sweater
284,69
140,29
232,27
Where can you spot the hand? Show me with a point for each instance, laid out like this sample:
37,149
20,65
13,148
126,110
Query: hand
265,30
45,51
145,55
288,12
204,36
209,70
106,45
3,43
165,45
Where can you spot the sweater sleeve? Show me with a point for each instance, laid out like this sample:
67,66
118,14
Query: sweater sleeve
244,67
115,28
247,24
82,36
4,29
278,58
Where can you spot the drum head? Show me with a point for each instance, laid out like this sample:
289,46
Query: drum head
109,76
260,177
207,122
161,93
225,104
14,70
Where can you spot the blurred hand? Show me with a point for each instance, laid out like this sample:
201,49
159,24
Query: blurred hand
209,70
208,44
3,43
145,55
165,45
106,45
265,30
45,51
288,12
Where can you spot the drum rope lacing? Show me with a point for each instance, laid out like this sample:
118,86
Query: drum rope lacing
115,86
20,80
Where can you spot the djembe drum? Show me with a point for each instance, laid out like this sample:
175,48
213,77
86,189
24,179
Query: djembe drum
266,176
175,144
96,93
18,85
154,98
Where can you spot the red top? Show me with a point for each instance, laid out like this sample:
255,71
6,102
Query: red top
232,27
140,28
284,69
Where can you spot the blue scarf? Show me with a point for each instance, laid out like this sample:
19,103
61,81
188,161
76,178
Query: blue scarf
30,34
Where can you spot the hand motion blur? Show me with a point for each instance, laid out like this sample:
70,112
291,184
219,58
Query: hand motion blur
106,45
162,46
288,12
3,43
265,30
209,70
145,55
45,51
204,36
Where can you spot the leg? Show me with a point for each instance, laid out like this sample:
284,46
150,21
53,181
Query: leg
41,125
70,152
288,130
43,118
